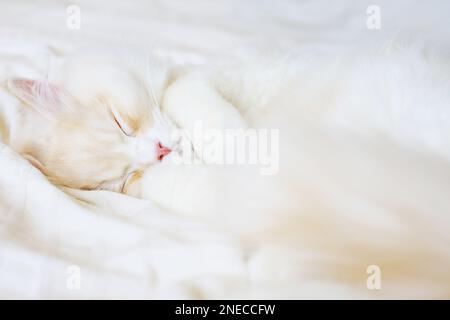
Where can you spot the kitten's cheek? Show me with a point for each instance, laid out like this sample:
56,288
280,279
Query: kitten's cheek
175,157
145,151
182,151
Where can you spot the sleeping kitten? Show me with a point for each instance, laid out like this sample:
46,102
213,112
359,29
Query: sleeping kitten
355,137
96,126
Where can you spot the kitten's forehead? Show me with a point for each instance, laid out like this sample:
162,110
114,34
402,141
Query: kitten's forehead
118,88
109,82
123,80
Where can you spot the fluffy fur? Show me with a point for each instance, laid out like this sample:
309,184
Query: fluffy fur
355,135
92,127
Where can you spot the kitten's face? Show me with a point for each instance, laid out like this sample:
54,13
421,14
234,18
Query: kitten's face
100,140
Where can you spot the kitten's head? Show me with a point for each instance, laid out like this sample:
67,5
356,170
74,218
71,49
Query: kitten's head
99,140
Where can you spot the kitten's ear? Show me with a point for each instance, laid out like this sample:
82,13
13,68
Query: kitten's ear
47,98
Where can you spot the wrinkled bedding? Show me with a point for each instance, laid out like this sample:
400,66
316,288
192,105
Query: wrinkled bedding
122,247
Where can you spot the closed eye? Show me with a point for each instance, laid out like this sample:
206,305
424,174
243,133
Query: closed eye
121,128
121,123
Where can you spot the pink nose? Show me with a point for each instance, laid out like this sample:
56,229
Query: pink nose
161,151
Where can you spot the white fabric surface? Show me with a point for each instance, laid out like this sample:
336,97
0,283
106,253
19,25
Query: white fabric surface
127,247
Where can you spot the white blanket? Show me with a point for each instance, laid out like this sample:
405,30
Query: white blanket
95,244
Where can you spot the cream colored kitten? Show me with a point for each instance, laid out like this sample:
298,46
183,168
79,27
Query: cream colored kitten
96,126
355,136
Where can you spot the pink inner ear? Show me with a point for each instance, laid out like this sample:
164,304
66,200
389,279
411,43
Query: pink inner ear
41,95
35,86
24,84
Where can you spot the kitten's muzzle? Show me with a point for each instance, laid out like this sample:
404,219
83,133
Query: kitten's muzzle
161,151
149,151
